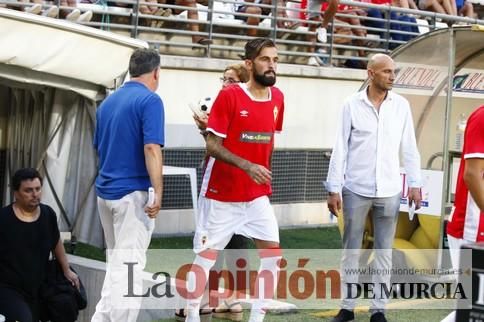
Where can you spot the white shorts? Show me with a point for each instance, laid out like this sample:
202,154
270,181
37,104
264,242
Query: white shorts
454,248
218,221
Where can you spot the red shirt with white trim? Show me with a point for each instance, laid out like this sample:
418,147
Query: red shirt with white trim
247,126
466,222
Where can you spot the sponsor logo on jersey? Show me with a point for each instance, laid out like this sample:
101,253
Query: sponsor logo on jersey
256,137
244,113
276,112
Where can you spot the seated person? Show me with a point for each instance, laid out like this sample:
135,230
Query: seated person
36,9
438,6
406,4
52,11
464,8
394,26
257,10
251,21
354,21
28,234
314,14
192,14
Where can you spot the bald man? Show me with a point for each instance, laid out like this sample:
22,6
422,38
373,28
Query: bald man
376,128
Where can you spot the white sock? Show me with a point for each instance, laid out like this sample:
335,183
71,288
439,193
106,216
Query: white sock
266,286
205,264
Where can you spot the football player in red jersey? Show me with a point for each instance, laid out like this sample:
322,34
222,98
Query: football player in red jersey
237,181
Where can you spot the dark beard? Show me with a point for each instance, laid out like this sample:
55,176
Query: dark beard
265,80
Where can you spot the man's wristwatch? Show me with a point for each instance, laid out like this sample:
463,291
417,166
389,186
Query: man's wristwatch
332,193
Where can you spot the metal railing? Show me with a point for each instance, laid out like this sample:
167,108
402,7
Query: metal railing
173,34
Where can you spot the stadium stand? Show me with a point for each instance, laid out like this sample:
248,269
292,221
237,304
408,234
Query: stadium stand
170,27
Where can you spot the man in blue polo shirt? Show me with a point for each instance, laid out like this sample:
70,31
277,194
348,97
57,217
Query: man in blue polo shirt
128,139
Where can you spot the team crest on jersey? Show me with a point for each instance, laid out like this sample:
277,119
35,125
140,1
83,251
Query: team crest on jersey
275,111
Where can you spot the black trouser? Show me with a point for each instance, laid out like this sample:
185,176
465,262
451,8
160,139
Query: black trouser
14,306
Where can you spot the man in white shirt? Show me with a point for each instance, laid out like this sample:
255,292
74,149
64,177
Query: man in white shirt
376,131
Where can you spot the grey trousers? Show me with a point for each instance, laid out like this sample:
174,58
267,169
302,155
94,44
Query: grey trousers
384,213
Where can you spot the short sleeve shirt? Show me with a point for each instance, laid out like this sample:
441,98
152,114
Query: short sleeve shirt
25,249
466,222
247,126
127,120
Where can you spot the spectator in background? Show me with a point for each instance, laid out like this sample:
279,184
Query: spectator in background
258,10
147,9
51,10
36,9
464,8
395,27
75,14
314,14
251,21
192,14
438,6
406,4
354,21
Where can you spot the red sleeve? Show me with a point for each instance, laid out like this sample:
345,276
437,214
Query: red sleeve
220,114
474,136
280,112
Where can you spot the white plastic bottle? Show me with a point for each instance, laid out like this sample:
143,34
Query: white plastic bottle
459,132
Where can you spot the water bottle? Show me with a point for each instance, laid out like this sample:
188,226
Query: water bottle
459,132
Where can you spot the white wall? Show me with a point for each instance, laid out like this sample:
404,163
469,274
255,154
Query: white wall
312,96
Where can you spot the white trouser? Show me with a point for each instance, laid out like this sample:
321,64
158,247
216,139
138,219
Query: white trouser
127,230
218,221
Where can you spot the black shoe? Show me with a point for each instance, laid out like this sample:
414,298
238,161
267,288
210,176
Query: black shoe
344,316
378,317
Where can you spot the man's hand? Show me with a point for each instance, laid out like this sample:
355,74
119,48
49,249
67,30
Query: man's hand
414,196
201,121
259,173
334,203
153,210
72,277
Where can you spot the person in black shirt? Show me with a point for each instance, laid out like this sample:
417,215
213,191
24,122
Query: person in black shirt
28,233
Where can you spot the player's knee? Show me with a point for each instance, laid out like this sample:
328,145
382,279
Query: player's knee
209,254
272,251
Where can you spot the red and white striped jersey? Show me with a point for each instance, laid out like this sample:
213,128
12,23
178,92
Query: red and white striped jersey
466,222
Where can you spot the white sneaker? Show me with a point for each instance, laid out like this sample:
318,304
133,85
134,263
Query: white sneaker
85,17
34,9
51,12
322,35
312,61
73,15
257,315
